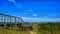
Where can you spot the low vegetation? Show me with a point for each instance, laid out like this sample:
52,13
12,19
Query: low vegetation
39,28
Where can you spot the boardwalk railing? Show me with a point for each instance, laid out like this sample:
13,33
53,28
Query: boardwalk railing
8,19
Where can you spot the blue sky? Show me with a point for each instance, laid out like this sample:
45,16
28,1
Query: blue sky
32,10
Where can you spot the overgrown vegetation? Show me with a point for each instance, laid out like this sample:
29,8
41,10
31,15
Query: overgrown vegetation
48,27
39,28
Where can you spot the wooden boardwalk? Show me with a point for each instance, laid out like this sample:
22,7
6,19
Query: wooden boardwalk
13,20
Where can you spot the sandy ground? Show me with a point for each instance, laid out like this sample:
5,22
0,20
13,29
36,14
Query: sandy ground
32,32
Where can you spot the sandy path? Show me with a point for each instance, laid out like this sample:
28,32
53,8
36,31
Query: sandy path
32,32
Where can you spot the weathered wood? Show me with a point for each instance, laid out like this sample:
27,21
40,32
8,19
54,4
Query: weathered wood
18,21
11,19
4,21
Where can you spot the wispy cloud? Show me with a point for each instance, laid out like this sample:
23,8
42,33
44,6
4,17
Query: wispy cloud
35,15
49,18
54,15
15,3
12,1
28,19
30,10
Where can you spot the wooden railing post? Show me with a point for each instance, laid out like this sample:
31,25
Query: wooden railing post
15,20
11,21
4,21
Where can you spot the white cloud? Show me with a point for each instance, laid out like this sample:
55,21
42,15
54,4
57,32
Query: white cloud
19,6
58,19
15,4
30,10
12,1
35,15
28,19
53,15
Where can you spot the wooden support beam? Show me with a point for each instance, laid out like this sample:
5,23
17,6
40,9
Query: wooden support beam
15,20
1,18
10,21
4,21
18,20
22,20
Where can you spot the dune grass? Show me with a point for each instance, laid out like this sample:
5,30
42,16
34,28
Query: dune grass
39,28
7,31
